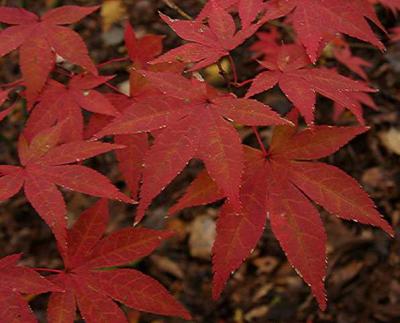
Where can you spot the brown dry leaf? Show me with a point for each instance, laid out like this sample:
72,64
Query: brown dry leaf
202,236
112,11
391,140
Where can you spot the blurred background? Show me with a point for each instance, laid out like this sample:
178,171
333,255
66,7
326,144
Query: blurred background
363,281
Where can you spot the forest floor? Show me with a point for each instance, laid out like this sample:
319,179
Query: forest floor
363,280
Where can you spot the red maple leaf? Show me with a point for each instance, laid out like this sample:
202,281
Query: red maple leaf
40,39
60,103
45,164
300,82
91,288
343,55
207,43
268,43
279,186
316,20
141,51
197,129
360,99
130,158
17,280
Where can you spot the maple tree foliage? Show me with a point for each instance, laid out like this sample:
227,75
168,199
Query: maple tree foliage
288,68
84,283
40,39
278,186
17,281
195,129
46,164
170,116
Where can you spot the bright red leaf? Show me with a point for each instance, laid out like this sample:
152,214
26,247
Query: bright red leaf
44,165
196,128
15,281
207,43
92,289
63,103
279,187
40,39
318,20
300,83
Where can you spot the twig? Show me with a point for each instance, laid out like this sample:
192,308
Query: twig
243,83
114,60
173,5
49,270
260,142
12,84
233,66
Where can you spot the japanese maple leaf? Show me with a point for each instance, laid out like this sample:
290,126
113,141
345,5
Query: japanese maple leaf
40,39
316,20
208,43
360,99
300,83
60,103
92,289
343,55
267,43
17,280
44,165
130,158
278,187
141,51
197,130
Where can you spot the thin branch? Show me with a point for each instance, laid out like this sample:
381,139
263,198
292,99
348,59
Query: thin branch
48,270
173,6
243,83
12,84
114,60
233,66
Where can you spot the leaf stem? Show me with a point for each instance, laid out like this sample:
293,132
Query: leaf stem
114,88
12,84
233,66
114,60
173,5
48,270
260,142
243,83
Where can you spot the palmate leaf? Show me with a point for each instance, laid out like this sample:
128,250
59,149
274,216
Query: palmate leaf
300,83
279,187
317,20
40,39
194,116
45,164
15,281
91,289
59,103
207,43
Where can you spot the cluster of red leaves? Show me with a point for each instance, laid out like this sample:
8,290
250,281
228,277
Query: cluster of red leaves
185,118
